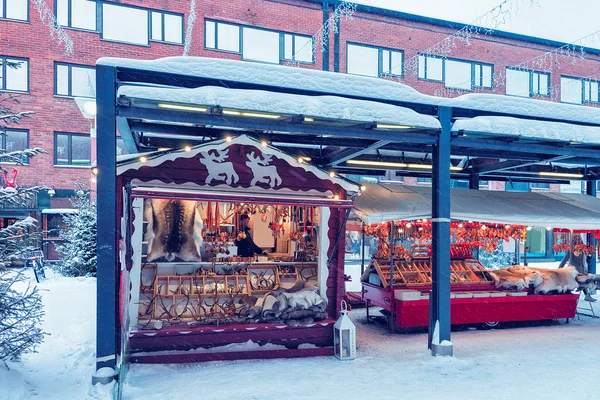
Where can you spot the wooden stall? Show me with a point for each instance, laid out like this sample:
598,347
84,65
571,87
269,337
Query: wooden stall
229,251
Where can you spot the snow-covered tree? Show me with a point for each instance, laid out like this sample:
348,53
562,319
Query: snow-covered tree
79,250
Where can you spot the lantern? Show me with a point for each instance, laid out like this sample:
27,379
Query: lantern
344,336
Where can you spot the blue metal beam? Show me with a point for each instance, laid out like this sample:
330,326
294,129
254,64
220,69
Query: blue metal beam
439,303
474,181
127,136
106,275
521,146
592,190
262,124
348,154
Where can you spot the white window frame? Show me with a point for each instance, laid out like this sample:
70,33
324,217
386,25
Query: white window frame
293,51
4,138
533,76
215,36
587,92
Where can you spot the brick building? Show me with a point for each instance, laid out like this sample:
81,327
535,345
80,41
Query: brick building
57,64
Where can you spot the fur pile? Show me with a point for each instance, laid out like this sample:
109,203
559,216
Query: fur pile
562,280
299,305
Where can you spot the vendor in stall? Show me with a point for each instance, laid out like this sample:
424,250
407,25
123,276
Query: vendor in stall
245,244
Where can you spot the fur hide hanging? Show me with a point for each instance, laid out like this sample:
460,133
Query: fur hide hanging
174,230
299,305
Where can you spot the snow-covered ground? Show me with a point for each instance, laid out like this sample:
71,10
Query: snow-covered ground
550,361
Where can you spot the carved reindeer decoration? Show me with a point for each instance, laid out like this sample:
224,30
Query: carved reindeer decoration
217,168
262,171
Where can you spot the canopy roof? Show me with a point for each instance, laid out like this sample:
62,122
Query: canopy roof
387,202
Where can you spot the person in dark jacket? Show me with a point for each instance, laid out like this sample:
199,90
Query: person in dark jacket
245,244
577,258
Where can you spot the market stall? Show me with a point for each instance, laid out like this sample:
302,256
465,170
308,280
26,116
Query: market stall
230,249
399,277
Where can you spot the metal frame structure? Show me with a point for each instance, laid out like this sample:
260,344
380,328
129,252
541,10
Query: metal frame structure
328,145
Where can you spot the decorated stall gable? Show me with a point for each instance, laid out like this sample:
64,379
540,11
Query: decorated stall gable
241,163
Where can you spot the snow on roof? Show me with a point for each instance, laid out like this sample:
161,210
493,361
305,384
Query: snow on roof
524,106
276,75
527,128
334,83
325,107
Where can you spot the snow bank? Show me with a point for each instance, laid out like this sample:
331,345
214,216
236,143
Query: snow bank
323,107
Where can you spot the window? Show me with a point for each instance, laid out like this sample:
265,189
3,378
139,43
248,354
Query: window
373,61
14,140
124,24
459,184
527,83
466,75
483,75
430,68
297,48
222,36
79,14
167,27
14,9
590,91
517,186
256,44
571,90
540,83
72,149
260,45
538,185
14,74
54,225
74,80
424,180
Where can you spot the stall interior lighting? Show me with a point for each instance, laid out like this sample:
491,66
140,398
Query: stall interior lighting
307,159
250,114
309,119
164,148
561,174
391,126
182,108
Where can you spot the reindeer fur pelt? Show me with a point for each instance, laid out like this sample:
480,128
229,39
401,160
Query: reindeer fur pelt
174,230
560,280
300,304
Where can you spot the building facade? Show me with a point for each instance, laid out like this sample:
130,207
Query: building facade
54,45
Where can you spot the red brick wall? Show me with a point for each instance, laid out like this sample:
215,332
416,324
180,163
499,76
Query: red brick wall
32,40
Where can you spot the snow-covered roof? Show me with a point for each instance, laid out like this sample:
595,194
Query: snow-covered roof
523,106
333,83
276,75
528,128
323,107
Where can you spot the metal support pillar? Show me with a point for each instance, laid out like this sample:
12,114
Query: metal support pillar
439,303
106,275
592,190
474,181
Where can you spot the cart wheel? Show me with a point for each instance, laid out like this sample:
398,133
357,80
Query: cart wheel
490,325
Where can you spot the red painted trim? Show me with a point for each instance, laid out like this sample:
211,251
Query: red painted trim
238,355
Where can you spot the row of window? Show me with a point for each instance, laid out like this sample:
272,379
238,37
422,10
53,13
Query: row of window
258,44
69,148
116,22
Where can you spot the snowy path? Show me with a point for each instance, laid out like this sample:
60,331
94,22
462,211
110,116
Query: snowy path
556,361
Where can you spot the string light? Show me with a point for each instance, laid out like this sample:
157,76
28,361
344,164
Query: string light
143,159
228,139
332,174
187,148
264,143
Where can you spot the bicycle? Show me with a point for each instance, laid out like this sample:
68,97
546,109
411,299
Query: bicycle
35,260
